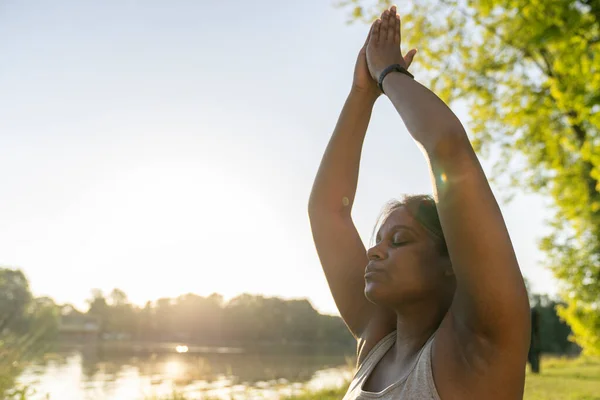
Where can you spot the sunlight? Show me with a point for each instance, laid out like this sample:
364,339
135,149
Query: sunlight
173,369
181,349
180,217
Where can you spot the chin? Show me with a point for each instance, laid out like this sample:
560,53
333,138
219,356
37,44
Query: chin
376,293
385,295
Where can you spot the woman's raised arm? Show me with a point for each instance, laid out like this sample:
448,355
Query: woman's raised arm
341,251
491,303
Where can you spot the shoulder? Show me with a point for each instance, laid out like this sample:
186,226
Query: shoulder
379,327
370,341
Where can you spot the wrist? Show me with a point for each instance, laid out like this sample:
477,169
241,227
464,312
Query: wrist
369,95
392,76
394,69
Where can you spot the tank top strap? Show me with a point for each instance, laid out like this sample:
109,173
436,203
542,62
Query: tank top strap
377,352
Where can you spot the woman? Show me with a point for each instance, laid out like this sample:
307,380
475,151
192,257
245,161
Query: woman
438,305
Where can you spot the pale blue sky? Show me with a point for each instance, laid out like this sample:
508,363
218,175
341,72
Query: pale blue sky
170,147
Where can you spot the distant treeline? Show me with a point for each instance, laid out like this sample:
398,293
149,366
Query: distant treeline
245,319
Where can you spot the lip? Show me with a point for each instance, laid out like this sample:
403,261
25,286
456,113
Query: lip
372,270
371,274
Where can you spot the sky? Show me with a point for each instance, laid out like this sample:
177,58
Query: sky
170,147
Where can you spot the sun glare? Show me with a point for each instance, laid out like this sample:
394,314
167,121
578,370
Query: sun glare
181,217
181,349
173,369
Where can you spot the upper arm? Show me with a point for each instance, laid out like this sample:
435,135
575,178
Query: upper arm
491,299
343,258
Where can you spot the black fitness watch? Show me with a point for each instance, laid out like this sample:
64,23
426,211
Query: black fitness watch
392,68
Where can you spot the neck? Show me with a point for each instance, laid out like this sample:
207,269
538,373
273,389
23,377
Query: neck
415,324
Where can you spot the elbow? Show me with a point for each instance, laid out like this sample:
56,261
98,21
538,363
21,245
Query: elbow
316,208
448,145
313,203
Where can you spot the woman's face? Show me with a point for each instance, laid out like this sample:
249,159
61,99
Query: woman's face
405,265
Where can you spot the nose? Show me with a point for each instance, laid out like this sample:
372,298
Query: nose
375,253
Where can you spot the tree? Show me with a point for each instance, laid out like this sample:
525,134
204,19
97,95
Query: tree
528,71
14,300
554,333
118,297
99,308
28,327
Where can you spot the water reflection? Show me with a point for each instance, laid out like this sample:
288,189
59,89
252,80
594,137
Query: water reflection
113,374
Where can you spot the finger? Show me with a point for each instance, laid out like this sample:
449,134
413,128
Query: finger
385,21
408,58
375,32
369,35
397,30
392,24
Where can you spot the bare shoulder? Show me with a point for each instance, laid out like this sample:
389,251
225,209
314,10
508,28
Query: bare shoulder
468,365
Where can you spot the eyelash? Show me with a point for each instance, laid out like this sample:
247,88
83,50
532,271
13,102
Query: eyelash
394,243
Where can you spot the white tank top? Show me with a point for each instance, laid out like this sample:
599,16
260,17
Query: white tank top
418,385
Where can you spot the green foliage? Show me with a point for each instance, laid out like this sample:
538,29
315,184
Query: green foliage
554,333
529,74
585,323
28,327
325,394
175,395
15,297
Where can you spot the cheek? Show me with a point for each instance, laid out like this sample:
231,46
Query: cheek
407,260
414,265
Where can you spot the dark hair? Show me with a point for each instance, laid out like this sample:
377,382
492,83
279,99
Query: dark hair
422,207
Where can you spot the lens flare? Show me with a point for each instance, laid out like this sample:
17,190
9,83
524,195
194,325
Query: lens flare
181,349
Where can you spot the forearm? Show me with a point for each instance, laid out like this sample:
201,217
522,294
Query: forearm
335,184
428,119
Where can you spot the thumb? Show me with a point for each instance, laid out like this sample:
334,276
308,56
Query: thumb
368,37
408,58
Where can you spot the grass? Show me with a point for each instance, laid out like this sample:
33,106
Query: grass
564,379
326,394
561,379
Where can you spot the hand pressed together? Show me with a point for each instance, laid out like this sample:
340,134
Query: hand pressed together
383,44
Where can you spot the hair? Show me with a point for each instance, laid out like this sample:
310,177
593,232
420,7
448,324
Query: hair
423,209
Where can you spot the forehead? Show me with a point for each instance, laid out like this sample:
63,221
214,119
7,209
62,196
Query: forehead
399,216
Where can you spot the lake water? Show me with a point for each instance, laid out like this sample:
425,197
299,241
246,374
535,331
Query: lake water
93,373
